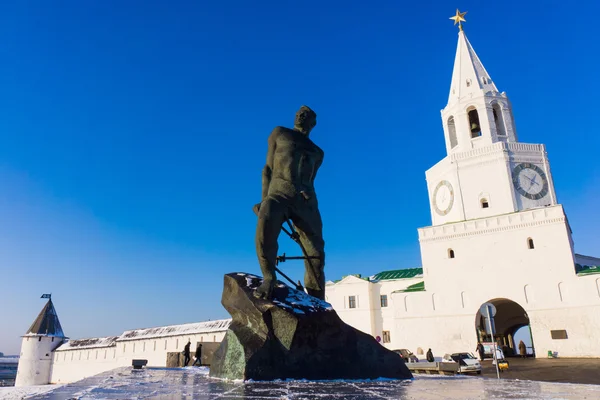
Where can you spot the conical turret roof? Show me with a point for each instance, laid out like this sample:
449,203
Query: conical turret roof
46,323
469,77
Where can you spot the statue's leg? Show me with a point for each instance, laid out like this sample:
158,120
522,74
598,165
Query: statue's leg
307,221
270,217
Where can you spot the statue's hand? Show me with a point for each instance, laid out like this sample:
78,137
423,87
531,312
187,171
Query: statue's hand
256,208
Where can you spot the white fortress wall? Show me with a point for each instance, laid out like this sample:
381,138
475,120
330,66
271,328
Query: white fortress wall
78,359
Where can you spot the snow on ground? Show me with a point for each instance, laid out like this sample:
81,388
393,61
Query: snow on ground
194,383
18,393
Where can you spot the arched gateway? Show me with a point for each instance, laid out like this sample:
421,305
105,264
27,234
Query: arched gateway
510,317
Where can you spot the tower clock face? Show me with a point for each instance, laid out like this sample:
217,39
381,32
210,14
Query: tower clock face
530,181
443,198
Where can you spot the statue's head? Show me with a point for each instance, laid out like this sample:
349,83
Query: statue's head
306,120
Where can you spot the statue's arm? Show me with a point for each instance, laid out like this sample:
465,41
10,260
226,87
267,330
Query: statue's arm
267,173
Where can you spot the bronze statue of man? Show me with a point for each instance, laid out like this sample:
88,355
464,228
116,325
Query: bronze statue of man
288,192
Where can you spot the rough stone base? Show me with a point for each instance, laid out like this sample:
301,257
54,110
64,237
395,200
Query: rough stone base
296,336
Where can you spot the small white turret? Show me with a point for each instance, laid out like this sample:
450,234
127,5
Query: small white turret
44,335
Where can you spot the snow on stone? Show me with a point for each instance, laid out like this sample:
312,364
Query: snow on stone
89,343
175,330
298,298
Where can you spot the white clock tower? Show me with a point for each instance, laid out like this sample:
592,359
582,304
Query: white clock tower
487,171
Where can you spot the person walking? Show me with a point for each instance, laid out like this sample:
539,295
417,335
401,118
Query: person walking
430,357
186,353
198,355
480,350
522,349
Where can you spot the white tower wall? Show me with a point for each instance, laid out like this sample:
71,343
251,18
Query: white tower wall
35,362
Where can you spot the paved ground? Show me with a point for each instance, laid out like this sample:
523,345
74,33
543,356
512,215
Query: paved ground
569,370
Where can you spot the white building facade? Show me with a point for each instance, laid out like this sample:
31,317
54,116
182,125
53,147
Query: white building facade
498,235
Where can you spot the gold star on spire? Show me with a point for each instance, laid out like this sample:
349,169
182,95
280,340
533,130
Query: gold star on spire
458,18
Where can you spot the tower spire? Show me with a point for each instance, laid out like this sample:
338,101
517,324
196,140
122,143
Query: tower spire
469,77
47,322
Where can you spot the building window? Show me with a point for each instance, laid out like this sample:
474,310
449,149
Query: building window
452,132
530,243
39,339
450,253
485,203
214,338
144,346
165,344
154,345
468,82
352,302
124,347
384,300
559,334
474,125
386,337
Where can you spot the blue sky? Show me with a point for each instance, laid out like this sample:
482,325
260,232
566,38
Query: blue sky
133,134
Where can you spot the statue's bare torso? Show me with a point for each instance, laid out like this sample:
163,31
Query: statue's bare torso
295,162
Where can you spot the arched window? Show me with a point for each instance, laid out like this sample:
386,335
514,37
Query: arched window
433,299
484,203
530,243
463,299
498,120
561,290
450,253
527,292
474,125
452,132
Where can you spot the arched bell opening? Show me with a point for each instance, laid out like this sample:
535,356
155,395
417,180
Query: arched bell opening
452,132
498,120
474,125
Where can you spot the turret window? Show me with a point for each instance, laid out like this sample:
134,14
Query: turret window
530,244
485,203
450,253
498,121
474,125
452,132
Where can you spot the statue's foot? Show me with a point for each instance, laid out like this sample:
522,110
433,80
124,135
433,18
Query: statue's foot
319,294
265,290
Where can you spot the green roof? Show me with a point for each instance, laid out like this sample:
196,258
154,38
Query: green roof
397,274
417,287
587,269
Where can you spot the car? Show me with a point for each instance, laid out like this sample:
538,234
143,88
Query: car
406,355
467,362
